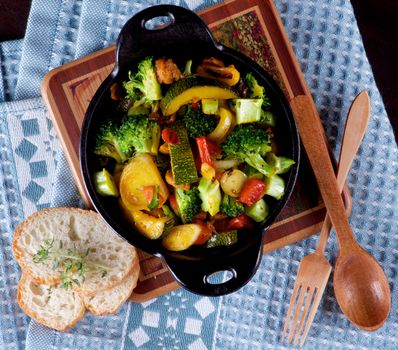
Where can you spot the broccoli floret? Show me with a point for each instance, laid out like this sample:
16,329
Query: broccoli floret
139,134
231,207
280,164
247,139
139,110
197,123
107,143
189,203
249,144
253,173
267,118
143,86
255,90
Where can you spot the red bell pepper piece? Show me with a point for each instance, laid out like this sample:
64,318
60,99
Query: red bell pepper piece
149,192
173,203
207,149
221,225
236,223
198,162
253,190
200,216
170,136
213,147
206,231
195,105
152,195
240,221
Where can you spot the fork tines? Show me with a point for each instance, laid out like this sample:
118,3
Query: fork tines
301,313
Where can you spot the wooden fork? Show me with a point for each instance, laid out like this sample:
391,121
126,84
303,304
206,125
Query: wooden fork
314,269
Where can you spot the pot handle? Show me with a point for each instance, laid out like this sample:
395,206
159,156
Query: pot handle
197,275
183,28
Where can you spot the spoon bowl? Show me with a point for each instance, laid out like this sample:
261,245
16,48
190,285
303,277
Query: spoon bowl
362,289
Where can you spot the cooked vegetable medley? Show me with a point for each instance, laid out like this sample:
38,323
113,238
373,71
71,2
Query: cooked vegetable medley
193,159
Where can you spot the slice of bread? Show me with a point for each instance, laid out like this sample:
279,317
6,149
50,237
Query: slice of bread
60,308
110,301
53,306
70,232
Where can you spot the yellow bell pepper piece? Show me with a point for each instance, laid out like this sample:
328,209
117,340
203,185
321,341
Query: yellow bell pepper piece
197,93
225,124
207,171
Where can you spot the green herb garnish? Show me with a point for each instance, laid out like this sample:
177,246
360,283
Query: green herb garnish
71,264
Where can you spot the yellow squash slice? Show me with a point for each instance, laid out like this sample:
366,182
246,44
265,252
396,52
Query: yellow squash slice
139,173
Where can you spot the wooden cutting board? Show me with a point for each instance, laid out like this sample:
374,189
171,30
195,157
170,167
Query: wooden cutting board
250,26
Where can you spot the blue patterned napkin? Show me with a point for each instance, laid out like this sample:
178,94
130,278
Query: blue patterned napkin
10,56
326,41
27,143
50,41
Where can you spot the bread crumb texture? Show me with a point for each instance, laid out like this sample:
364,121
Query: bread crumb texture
52,306
79,231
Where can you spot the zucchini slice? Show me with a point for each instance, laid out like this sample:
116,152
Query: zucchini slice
181,157
222,239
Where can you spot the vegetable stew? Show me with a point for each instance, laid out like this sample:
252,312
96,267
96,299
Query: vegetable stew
193,160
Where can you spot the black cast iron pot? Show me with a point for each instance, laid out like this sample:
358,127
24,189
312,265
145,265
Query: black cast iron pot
185,37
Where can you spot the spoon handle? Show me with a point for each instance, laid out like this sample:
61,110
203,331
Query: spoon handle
311,134
355,127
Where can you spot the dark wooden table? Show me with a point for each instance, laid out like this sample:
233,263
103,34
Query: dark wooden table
377,21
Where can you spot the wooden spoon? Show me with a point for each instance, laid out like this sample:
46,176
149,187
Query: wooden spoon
360,284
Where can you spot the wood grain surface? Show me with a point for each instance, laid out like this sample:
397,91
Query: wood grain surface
364,298
67,91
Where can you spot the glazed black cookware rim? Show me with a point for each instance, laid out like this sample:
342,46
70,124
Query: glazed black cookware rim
186,29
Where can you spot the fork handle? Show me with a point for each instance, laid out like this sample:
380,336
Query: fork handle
354,131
